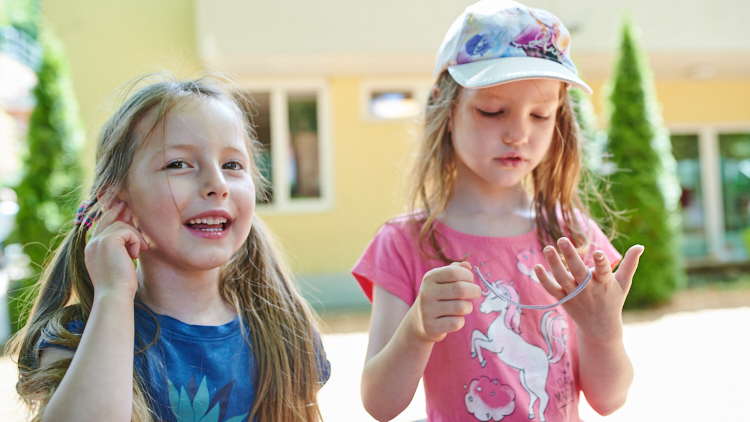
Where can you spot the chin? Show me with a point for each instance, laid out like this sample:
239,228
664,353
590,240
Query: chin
208,263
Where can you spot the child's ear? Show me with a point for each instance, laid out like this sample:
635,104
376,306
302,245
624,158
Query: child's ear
435,93
107,199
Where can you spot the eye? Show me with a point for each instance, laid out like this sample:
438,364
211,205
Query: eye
233,165
489,113
540,116
176,164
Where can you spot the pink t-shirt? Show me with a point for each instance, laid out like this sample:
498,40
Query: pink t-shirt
505,363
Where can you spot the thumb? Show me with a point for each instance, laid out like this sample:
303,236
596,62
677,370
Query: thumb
464,264
629,264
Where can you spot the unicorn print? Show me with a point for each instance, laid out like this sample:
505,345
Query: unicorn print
503,338
527,258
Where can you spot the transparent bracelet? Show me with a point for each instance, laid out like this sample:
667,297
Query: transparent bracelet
507,298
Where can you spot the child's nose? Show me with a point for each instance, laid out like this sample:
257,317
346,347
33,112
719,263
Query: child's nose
215,185
516,133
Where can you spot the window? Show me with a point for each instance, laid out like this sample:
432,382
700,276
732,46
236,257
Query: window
686,153
734,150
716,191
393,105
393,100
290,122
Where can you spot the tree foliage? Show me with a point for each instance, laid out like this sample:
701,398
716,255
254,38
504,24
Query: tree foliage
51,172
644,184
21,14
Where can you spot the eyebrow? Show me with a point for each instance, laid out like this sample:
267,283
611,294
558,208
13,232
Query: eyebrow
190,147
506,97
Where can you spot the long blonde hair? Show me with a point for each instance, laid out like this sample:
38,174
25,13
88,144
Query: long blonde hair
554,183
256,281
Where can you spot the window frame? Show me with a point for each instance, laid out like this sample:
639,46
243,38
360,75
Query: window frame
711,182
279,91
419,89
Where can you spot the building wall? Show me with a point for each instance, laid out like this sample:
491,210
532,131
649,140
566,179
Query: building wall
695,101
368,161
111,42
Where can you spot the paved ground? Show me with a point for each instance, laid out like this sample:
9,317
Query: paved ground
691,364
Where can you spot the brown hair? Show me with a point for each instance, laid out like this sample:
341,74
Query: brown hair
554,183
282,327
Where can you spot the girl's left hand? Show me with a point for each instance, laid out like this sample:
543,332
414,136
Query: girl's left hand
597,310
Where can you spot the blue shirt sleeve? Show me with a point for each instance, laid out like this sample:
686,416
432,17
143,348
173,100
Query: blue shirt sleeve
324,366
48,340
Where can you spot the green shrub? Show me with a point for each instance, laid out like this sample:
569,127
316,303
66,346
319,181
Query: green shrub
51,173
645,184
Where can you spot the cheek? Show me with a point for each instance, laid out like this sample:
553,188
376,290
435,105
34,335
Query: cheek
156,200
244,197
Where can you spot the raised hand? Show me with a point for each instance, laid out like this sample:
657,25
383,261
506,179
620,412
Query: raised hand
444,298
597,310
110,252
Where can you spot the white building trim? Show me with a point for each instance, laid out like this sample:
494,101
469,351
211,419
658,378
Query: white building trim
279,89
709,158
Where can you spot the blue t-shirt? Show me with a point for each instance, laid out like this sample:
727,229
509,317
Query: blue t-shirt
196,372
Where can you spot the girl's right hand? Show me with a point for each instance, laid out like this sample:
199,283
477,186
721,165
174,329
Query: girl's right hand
110,252
444,298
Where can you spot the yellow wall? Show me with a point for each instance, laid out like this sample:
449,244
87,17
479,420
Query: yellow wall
697,101
368,159
110,42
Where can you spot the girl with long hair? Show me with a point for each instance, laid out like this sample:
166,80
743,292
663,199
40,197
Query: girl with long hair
497,287
169,299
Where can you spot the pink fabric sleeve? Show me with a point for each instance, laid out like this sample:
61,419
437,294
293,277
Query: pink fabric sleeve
388,262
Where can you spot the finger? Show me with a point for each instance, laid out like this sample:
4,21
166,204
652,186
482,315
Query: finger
464,264
559,272
453,308
134,242
549,283
577,268
458,290
629,264
449,324
450,274
602,267
107,218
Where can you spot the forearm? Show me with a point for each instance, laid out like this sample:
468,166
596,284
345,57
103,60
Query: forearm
98,385
605,372
391,377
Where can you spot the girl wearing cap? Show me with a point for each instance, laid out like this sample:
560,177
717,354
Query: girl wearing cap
469,288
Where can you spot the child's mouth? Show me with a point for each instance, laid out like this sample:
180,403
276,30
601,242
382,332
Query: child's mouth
510,161
208,225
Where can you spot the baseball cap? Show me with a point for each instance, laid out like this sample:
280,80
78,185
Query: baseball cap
498,41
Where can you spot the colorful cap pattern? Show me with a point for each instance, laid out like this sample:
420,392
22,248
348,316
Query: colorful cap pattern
497,41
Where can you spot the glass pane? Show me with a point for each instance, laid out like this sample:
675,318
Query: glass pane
257,106
735,180
304,165
685,150
393,105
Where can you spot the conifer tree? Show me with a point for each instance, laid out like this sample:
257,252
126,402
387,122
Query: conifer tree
644,184
51,172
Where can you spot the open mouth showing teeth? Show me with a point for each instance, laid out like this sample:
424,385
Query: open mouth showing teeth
209,224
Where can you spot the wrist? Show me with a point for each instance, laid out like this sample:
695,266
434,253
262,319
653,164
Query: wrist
603,339
114,297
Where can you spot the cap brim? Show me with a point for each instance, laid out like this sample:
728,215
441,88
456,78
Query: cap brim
486,73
